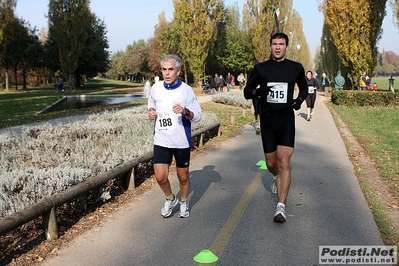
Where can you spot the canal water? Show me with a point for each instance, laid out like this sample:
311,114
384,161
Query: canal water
83,101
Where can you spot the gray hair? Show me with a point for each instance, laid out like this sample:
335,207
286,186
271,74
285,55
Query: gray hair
172,56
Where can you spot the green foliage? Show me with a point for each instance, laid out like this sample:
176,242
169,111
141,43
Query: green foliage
197,23
395,10
68,23
233,52
364,98
6,14
165,41
212,39
261,20
95,56
362,28
134,60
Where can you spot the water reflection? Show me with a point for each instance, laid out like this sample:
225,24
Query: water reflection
82,101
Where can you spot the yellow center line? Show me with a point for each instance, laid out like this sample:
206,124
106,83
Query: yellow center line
220,242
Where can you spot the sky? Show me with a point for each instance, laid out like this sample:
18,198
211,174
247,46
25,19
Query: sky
131,20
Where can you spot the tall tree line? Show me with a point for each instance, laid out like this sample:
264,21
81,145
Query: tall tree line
214,38
352,29
74,46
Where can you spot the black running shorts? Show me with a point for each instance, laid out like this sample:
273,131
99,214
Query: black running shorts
163,155
277,129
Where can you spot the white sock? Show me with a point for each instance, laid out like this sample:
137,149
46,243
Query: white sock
274,177
281,204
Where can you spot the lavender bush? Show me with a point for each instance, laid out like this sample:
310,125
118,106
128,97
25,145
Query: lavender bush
47,159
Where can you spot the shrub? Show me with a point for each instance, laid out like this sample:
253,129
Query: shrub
364,98
47,159
234,98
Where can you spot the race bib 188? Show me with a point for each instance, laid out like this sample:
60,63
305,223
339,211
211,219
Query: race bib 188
166,121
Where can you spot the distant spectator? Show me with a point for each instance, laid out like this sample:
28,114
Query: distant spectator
375,87
339,81
221,83
325,84
241,80
362,82
212,84
229,78
217,82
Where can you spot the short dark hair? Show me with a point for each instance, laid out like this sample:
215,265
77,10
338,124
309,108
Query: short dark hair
279,35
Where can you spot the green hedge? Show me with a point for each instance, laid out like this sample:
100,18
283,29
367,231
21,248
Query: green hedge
365,98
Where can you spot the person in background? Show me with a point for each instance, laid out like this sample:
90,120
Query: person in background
313,85
375,87
362,82
325,83
217,82
257,110
339,81
229,81
173,106
241,80
212,84
277,78
221,83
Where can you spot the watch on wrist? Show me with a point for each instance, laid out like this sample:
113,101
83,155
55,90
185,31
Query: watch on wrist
186,111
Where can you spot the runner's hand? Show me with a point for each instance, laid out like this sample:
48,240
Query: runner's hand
296,103
263,92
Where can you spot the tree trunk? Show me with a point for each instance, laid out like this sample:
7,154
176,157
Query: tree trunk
70,82
6,78
77,80
24,79
16,78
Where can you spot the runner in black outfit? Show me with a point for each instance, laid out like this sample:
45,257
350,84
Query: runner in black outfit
277,78
313,85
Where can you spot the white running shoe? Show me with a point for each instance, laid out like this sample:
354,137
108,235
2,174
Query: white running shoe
184,209
273,186
167,209
280,217
257,130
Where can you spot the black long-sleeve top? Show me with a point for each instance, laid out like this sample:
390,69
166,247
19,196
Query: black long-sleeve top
280,78
313,83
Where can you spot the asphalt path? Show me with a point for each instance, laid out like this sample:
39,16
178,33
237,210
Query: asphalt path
232,209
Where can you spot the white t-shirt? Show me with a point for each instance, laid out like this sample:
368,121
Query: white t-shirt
173,130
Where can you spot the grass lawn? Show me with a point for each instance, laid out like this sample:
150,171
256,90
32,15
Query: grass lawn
20,107
383,83
377,130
